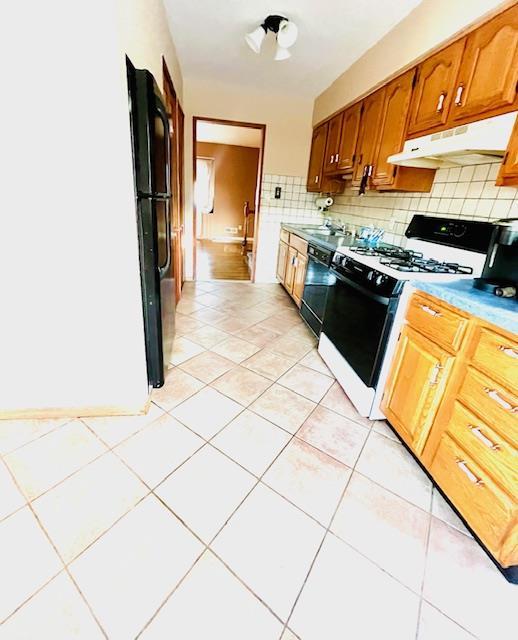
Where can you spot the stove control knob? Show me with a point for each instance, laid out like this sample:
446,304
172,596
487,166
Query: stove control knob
380,280
370,275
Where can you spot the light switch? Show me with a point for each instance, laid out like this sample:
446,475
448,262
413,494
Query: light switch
277,193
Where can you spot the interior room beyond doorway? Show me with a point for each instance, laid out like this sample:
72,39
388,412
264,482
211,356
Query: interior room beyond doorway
227,168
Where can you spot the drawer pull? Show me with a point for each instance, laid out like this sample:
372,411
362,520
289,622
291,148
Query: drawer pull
477,432
430,311
458,95
468,473
434,378
440,103
512,353
494,395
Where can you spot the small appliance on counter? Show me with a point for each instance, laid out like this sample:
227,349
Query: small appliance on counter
500,272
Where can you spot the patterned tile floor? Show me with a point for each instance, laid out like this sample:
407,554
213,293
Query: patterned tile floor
252,501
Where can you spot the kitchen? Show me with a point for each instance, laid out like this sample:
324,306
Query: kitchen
296,509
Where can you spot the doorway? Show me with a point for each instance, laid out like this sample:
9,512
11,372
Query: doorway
227,168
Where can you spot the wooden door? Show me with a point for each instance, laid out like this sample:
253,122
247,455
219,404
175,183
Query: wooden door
415,386
299,278
282,258
180,257
434,90
349,137
290,269
393,127
369,132
316,158
331,155
508,174
488,74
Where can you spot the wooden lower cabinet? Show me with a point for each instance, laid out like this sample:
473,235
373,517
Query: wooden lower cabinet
290,269
292,264
299,278
282,260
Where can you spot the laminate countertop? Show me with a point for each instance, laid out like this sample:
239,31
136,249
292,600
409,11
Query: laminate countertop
502,312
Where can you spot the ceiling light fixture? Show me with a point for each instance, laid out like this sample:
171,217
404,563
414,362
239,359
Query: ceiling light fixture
286,33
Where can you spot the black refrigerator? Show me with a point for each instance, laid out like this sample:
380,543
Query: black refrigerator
152,160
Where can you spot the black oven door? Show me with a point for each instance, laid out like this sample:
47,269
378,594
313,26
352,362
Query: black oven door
358,323
318,281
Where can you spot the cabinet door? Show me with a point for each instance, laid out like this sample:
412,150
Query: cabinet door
299,278
349,137
316,158
393,127
508,174
486,82
434,89
333,144
281,261
368,134
290,269
415,386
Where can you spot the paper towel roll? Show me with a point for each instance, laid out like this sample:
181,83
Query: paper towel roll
324,203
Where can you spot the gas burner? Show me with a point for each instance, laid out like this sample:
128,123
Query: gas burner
418,264
391,252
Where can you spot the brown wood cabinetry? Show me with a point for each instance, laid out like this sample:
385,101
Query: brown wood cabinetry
301,263
349,137
333,144
508,175
289,275
282,259
316,158
292,264
368,135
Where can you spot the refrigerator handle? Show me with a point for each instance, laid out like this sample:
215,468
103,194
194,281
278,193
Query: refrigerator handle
163,269
165,120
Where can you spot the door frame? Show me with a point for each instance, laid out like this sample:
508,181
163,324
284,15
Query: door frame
257,203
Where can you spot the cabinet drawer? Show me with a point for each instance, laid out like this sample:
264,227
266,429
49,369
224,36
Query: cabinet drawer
488,399
437,322
299,244
497,356
492,452
488,510
285,236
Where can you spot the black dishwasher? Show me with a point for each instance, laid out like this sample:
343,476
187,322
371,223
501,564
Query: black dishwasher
318,280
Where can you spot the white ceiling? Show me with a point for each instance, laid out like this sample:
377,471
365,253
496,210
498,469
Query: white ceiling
228,134
209,38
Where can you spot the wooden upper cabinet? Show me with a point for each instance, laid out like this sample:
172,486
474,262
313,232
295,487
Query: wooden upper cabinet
434,90
333,144
488,74
316,158
368,135
508,175
349,137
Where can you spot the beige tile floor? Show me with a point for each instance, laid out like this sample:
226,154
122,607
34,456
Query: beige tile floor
252,501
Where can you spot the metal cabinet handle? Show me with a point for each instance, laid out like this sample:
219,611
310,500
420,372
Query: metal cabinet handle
458,95
467,472
316,179
477,432
430,311
509,351
336,157
494,395
434,378
440,103
332,159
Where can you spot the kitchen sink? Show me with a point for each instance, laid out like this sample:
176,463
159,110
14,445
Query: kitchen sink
325,232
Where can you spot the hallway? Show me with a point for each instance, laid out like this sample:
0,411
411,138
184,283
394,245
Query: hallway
221,261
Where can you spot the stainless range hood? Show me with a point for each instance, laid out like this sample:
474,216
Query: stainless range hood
474,143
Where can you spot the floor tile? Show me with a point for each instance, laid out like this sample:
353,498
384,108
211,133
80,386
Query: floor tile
381,426
212,603
184,349
288,635
178,387
251,314
257,335
205,491
209,316
80,509
384,527
56,612
337,436
208,299
27,560
207,336
433,625
283,407
43,463
233,324
15,433
270,545
336,400
186,324
207,366
236,349
242,385
269,364
251,441
128,572
289,347
115,429
306,382
442,510
315,362
347,596
463,583
310,479
390,465
187,306
10,497
159,449
207,412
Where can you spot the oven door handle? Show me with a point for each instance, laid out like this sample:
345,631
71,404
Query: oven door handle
369,294
317,260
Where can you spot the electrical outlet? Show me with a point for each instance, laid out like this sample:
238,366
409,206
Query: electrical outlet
277,193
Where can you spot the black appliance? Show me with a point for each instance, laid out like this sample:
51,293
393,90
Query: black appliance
410,261
152,174
471,235
359,314
318,280
500,271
